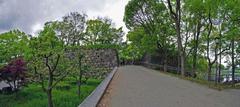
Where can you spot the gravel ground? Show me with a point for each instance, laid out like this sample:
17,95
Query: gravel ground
136,86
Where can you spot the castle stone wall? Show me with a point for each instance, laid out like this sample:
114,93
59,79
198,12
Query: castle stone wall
101,58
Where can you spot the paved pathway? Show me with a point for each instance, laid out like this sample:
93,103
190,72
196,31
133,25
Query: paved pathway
135,86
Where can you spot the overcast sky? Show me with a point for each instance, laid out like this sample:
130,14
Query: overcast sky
30,15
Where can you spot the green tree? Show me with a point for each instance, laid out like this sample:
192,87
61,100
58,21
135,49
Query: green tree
71,28
49,63
175,14
101,31
151,17
13,44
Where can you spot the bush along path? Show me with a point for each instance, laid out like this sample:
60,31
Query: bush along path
135,86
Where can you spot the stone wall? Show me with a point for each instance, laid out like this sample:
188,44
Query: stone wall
101,58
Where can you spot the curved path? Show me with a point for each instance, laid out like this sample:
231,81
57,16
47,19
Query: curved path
136,86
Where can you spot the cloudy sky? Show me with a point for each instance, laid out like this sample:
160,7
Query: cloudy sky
30,15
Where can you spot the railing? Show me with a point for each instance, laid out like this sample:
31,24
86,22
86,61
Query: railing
175,70
157,66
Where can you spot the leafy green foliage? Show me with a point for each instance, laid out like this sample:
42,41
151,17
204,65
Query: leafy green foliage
150,28
49,63
101,46
101,31
71,29
13,44
55,54
204,31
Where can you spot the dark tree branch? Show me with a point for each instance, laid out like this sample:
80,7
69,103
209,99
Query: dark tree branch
173,14
55,66
47,63
60,79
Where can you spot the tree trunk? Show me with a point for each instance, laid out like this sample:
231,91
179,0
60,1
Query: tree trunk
180,49
49,95
220,62
179,64
179,39
194,63
14,86
196,50
165,61
79,85
216,65
50,85
208,47
220,69
80,77
209,72
233,62
182,65
165,65
15,89
176,16
49,90
118,60
210,63
216,74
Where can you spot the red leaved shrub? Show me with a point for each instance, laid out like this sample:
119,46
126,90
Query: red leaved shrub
14,73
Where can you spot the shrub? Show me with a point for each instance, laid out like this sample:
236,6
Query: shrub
14,73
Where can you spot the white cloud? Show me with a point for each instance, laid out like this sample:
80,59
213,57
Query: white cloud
115,11
36,28
30,15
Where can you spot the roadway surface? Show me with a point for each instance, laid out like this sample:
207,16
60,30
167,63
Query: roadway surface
136,86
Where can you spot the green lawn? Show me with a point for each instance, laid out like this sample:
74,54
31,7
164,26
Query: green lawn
33,96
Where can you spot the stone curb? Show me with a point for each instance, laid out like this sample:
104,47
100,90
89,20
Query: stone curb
93,99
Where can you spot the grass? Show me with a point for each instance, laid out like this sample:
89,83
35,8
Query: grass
33,96
210,84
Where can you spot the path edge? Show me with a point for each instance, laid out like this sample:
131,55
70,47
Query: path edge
93,99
